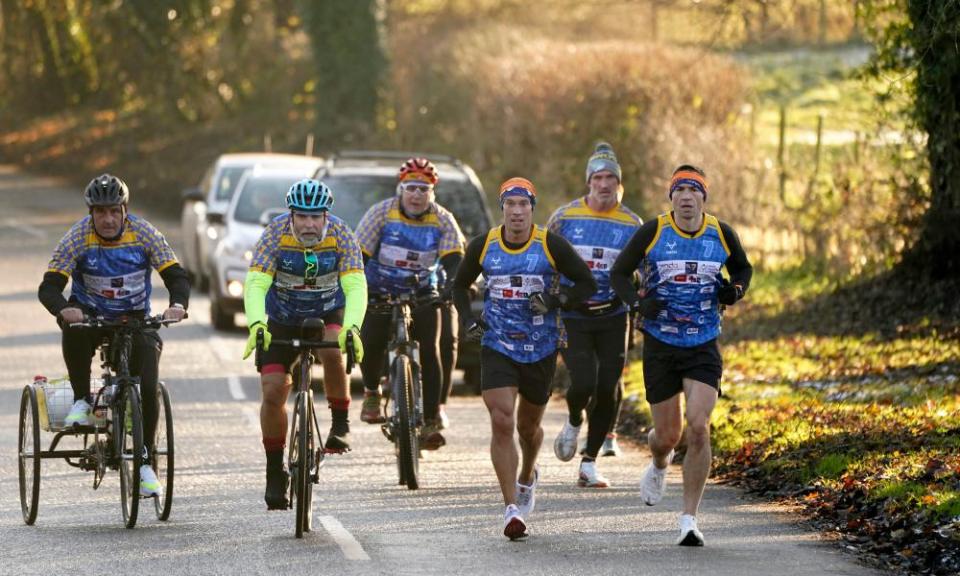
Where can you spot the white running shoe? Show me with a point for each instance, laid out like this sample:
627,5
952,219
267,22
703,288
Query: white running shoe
526,495
149,485
654,482
513,525
590,478
79,414
565,446
610,446
689,534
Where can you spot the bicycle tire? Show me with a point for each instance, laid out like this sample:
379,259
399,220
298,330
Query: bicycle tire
128,423
29,448
162,456
407,444
299,465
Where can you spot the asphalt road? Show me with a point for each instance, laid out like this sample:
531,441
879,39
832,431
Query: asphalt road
364,522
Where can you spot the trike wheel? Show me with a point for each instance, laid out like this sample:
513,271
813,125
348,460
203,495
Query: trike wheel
29,454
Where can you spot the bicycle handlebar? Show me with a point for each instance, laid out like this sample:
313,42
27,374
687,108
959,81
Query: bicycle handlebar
300,344
125,322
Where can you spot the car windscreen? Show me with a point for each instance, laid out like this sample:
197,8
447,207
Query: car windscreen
227,180
354,194
259,195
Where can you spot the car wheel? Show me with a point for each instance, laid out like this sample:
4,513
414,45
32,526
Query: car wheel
220,318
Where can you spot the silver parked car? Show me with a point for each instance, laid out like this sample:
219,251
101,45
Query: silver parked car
204,206
260,195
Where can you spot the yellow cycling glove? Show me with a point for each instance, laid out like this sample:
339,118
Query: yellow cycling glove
357,344
252,339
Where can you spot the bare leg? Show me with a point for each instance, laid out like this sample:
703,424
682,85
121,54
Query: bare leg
667,429
701,400
275,388
530,432
501,403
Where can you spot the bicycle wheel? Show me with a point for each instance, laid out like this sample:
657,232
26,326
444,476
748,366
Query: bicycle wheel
128,429
29,455
407,444
161,457
300,463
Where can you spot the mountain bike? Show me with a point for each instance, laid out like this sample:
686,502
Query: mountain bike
404,409
306,454
114,440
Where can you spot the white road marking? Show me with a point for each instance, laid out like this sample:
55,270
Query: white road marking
28,230
236,391
352,549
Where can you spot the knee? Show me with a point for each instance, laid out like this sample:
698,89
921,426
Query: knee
669,435
331,359
698,432
275,389
502,423
528,430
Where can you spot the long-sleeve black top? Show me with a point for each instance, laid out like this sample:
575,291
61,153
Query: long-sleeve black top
621,275
567,260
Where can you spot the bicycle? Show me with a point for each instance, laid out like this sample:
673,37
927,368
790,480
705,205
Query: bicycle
402,371
306,454
116,408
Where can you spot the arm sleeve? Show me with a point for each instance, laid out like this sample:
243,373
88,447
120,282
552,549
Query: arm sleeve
571,265
467,272
255,296
177,281
621,275
739,267
355,289
50,292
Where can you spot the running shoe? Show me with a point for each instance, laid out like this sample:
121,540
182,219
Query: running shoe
526,495
278,481
79,414
514,527
442,418
370,410
565,446
689,534
149,485
654,482
430,436
610,446
590,478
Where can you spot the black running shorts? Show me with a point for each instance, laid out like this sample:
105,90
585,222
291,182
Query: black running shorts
665,366
533,381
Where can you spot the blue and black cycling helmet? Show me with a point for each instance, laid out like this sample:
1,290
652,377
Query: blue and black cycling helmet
106,190
309,195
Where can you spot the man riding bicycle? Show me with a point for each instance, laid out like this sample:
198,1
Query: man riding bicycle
405,240
306,264
108,254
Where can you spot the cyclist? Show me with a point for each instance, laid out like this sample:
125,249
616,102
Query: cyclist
520,332
683,252
109,255
598,226
306,264
405,240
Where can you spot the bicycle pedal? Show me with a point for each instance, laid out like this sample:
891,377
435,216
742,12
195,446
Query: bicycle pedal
336,450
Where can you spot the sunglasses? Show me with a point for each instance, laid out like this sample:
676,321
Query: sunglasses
418,188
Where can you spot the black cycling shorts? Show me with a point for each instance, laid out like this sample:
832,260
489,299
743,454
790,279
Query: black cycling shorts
665,366
285,355
533,381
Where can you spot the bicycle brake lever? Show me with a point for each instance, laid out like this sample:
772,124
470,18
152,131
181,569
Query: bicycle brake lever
351,354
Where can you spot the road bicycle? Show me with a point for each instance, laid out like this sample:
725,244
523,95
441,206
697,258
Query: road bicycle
114,439
403,410
306,453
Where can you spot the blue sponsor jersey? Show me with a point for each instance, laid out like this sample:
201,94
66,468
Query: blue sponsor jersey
684,270
511,276
306,280
598,237
112,277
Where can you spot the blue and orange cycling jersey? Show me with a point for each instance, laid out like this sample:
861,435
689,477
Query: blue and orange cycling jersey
684,270
306,280
112,277
598,237
404,253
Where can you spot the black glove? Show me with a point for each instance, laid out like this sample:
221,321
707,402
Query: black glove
650,308
543,302
475,330
728,293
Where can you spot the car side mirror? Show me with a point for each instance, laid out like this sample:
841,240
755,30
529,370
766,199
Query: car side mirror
194,194
268,215
215,218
